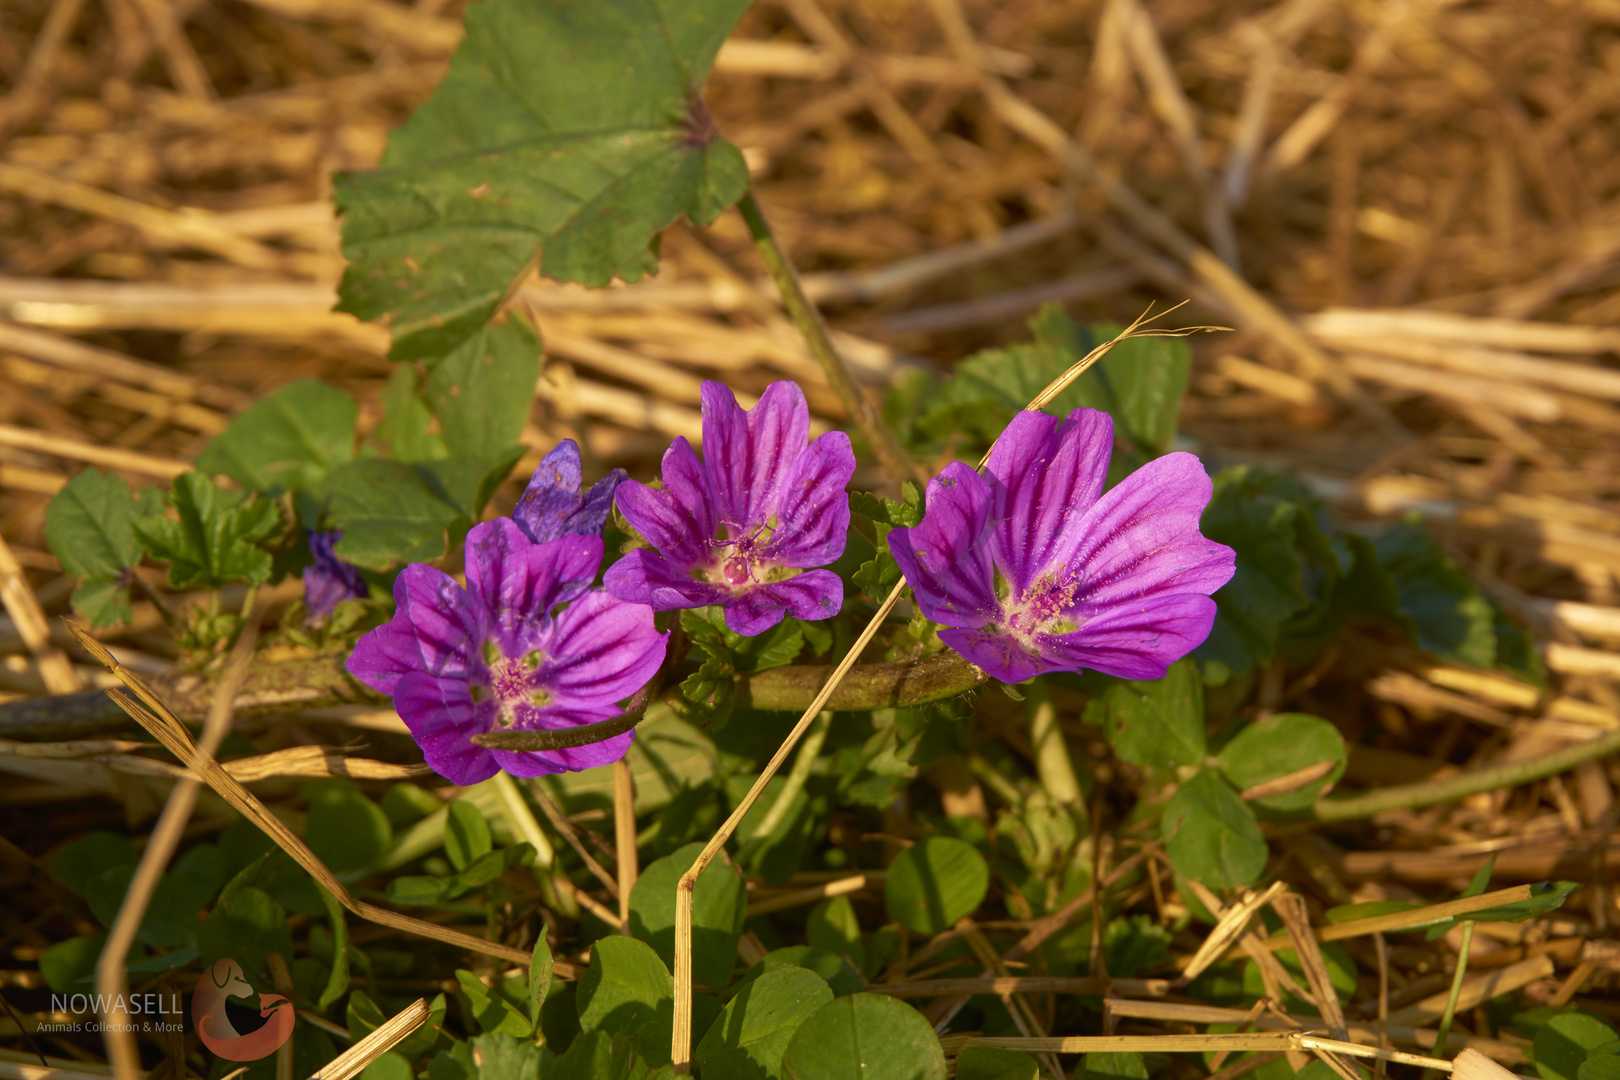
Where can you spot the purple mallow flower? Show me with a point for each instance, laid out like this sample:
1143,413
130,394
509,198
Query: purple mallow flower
744,526
552,505
329,580
1032,568
499,654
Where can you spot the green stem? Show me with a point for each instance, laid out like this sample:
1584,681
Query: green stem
1413,796
809,750
1456,991
896,462
1052,762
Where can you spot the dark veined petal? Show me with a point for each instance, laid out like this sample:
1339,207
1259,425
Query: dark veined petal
437,629
814,594
442,718
812,507
600,650
571,759
678,521
551,506
1133,641
748,453
1045,475
517,582
329,580
1001,656
1142,538
644,577
944,557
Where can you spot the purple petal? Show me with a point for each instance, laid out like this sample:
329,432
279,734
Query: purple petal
601,650
945,563
747,453
679,520
594,508
443,719
643,577
330,580
1142,538
812,507
1045,475
1001,656
436,630
572,759
814,594
518,582
1134,641
552,495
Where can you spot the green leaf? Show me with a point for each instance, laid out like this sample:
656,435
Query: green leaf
81,862
89,526
391,512
337,984
995,1063
864,1037
287,442
405,432
345,830
1159,723
628,989
503,1057
1279,745
246,927
1440,606
418,889
778,855
390,1065
933,883
1599,1066
602,141
491,1009
832,925
540,965
599,1055
719,906
1546,896
171,914
466,835
1563,1042
483,390
213,541
1211,835
834,970
69,967
748,1039
1133,943
362,1017
1129,1066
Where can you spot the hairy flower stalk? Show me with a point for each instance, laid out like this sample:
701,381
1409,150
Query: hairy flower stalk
1032,568
746,526
527,645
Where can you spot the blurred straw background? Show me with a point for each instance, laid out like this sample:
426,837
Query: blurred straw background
1410,211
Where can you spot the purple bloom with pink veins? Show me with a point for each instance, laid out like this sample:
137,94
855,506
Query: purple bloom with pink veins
1032,568
552,504
499,655
745,526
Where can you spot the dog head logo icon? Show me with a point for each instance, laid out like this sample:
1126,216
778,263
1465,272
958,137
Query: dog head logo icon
226,979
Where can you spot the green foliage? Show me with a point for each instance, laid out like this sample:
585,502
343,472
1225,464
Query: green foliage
1139,382
362,1016
1159,723
213,539
707,692
1211,835
287,442
1134,943
89,526
346,831
719,905
864,1037
1277,746
836,971
1439,605
1566,1042
483,389
1127,1066
748,1038
933,883
466,835
246,926
602,141
492,1009
832,926
436,889
779,854
994,1063
628,990
879,574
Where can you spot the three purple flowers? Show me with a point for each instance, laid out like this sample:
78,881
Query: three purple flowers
1030,568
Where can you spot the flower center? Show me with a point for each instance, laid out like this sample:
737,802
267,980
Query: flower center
740,557
1045,608
513,681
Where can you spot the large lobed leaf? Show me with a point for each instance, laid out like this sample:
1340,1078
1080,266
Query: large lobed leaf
573,130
